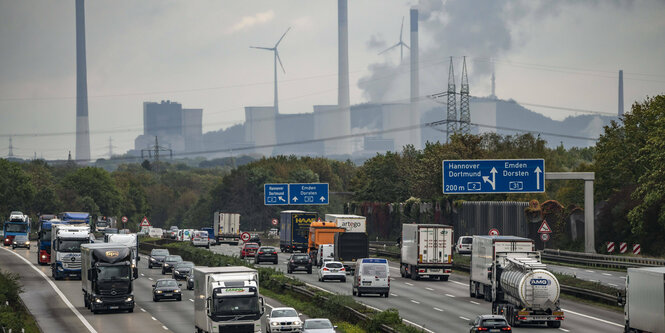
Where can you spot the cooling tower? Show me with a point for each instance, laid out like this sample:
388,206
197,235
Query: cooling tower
397,116
82,123
260,128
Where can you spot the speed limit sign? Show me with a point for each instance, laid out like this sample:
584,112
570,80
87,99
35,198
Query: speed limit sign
245,236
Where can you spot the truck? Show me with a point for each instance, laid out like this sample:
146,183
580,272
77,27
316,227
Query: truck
75,217
352,223
294,229
226,299
226,227
104,222
106,277
349,247
426,251
17,224
507,271
44,242
66,243
321,233
131,241
644,302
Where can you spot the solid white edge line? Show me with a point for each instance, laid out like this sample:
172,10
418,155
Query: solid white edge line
460,283
591,317
416,325
563,329
164,327
57,291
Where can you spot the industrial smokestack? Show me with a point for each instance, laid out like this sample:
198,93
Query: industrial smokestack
343,100
620,93
415,81
82,127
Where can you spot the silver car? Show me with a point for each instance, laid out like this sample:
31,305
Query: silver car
332,270
284,320
318,325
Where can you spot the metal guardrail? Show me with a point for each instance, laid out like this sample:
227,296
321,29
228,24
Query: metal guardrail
600,260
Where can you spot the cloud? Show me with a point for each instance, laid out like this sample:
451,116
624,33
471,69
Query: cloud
247,22
376,42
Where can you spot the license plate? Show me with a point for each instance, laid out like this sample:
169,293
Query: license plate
114,307
168,294
367,282
435,270
495,330
334,270
537,317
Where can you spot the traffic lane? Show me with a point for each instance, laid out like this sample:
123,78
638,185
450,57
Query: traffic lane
105,321
610,278
51,313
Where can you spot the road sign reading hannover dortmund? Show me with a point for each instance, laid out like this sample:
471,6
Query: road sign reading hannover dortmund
308,194
276,194
493,176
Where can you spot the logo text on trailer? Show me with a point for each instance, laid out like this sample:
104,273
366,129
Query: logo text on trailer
540,282
112,254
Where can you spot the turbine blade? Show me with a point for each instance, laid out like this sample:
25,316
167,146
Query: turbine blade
401,29
404,44
280,39
390,48
280,61
261,48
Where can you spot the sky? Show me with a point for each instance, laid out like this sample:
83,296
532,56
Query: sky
563,54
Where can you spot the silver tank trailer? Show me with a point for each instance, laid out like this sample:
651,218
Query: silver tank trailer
537,289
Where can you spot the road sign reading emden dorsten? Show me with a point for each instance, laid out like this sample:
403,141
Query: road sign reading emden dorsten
308,194
493,176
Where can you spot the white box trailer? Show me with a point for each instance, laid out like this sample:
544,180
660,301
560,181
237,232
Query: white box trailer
226,299
226,227
352,223
644,308
427,250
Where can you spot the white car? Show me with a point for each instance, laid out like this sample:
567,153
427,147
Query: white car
464,245
284,320
332,270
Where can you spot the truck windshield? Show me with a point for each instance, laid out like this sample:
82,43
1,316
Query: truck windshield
102,224
236,305
11,227
113,272
71,245
45,235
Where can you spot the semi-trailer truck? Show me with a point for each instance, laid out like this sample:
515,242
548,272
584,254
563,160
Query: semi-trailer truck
321,233
644,303
227,228
427,251
226,299
66,243
351,223
349,247
294,229
44,234
75,217
507,271
106,277
131,241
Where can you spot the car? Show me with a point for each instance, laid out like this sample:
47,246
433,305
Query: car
332,270
21,241
248,250
200,238
318,325
173,232
490,323
166,289
190,280
169,262
266,253
463,245
299,260
283,320
182,269
157,257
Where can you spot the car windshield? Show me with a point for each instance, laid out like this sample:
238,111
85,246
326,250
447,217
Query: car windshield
301,256
317,324
284,313
167,283
11,227
252,246
376,270
173,258
493,322
159,252
467,240
236,305
185,264
73,245
113,272
334,265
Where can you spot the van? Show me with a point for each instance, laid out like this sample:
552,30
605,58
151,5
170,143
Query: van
326,252
464,245
371,276
200,238
156,232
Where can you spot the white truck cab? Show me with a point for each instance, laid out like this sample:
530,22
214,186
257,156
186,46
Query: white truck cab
66,240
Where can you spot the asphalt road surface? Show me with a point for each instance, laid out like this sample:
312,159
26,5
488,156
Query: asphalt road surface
610,278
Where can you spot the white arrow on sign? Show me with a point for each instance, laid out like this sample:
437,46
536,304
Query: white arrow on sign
295,199
493,181
323,198
281,199
538,171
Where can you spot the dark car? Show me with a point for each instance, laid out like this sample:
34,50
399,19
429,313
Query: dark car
166,289
169,262
21,241
266,253
248,250
157,257
490,323
300,261
182,269
190,280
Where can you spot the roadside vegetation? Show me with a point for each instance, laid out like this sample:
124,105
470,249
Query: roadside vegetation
13,314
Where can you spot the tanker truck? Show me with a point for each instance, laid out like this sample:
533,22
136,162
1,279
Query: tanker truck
507,271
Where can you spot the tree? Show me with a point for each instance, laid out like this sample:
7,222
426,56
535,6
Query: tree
16,190
97,184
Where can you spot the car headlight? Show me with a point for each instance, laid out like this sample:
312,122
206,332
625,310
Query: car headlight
166,265
158,292
98,300
297,323
152,259
274,323
177,272
129,299
133,266
177,291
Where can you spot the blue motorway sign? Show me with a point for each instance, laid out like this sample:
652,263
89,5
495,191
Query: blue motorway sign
276,194
308,194
493,176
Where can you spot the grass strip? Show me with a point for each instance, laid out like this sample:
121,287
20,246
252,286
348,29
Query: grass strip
13,314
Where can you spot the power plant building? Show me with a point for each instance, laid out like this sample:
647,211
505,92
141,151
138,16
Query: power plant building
260,128
177,128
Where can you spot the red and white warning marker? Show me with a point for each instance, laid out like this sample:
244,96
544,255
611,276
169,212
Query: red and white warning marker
245,236
610,247
623,247
636,249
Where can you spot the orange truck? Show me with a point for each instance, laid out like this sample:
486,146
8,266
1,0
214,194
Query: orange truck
321,233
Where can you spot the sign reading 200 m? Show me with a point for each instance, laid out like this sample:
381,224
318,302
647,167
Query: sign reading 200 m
493,176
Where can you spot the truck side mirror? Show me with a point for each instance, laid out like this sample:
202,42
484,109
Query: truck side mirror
262,308
209,310
136,273
621,299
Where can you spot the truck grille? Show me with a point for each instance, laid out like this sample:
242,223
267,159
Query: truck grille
71,265
245,328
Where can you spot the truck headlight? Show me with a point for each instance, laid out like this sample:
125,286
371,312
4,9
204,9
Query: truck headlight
152,259
27,243
98,300
43,256
129,299
60,268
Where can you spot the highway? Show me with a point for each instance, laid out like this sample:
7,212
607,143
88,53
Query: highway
446,306
611,278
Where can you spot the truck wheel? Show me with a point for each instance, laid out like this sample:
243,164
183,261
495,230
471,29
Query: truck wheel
130,310
402,272
478,294
414,273
472,290
488,294
554,324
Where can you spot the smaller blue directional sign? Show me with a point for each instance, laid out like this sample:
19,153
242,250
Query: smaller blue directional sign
276,194
308,194
493,176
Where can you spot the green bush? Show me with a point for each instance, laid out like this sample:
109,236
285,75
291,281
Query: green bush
14,316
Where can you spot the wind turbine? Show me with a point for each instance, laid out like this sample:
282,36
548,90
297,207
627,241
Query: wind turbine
401,44
276,56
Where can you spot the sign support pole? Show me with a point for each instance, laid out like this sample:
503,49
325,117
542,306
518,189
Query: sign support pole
588,178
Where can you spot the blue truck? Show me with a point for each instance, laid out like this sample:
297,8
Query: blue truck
46,222
75,218
18,224
294,232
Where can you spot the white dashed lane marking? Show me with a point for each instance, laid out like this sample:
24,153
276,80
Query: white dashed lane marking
607,274
164,327
408,284
430,289
414,301
437,309
476,303
449,295
464,318
391,294
142,309
153,318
